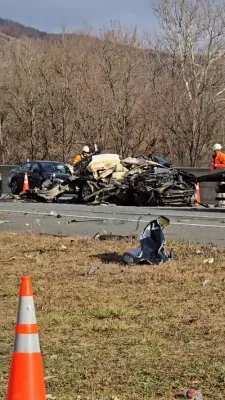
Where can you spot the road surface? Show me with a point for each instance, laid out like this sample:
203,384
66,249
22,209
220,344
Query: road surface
203,226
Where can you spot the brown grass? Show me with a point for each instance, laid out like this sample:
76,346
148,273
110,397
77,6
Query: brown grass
127,333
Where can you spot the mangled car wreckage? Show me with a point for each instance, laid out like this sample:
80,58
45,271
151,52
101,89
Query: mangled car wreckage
131,181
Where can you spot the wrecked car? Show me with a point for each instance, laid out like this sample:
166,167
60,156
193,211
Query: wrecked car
131,181
38,172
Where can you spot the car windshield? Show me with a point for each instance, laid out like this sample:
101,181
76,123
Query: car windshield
162,161
54,168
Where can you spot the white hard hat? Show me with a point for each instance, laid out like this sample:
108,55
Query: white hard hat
86,149
217,146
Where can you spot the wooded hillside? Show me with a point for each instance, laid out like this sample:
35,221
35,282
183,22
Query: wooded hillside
17,30
131,95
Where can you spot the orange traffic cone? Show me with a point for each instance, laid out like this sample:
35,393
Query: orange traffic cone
26,380
197,186
25,183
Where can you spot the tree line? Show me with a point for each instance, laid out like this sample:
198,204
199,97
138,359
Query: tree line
161,93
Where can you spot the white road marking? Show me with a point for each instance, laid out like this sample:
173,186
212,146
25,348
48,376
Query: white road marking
140,220
190,213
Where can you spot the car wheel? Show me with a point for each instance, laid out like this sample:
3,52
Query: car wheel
86,191
140,199
14,187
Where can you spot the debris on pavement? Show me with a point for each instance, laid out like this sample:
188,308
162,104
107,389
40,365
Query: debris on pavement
151,249
53,213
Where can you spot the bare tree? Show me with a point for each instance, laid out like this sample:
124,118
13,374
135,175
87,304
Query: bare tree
59,75
188,76
61,93
25,96
115,80
6,136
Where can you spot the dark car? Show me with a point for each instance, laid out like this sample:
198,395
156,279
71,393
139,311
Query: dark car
165,163
38,172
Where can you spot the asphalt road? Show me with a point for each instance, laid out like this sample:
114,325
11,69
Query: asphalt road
203,226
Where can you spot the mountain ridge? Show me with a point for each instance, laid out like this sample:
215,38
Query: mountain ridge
17,30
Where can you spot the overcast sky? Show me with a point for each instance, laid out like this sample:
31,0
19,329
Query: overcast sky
50,14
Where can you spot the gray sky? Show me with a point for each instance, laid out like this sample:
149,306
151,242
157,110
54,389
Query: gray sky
50,14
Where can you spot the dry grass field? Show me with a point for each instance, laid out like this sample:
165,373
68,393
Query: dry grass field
124,332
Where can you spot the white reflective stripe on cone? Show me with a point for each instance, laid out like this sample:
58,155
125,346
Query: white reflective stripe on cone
27,343
26,313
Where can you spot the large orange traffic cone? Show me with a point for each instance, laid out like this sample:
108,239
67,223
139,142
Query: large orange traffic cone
26,381
25,183
198,194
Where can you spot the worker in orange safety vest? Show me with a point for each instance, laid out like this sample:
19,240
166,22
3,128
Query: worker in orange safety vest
85,153
218,162
218,158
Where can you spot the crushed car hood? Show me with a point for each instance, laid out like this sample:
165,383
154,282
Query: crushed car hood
62,177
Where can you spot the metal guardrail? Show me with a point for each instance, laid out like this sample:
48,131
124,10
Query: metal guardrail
207,189
4,170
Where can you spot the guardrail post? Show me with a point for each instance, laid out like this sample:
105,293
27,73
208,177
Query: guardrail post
220,194
1,185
